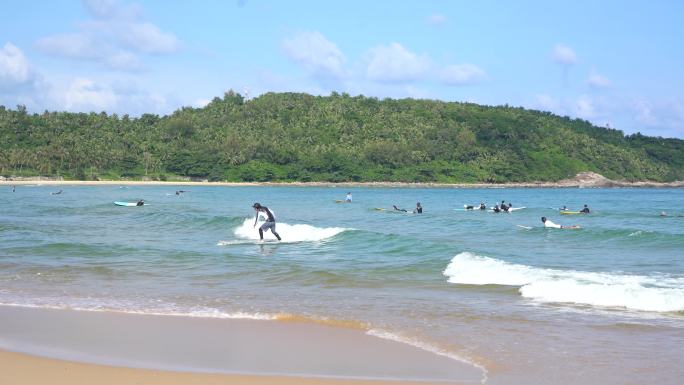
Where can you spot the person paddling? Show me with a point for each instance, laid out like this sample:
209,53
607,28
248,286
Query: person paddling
270,221
548,223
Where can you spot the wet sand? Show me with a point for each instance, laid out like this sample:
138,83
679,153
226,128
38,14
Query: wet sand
208,347
22,369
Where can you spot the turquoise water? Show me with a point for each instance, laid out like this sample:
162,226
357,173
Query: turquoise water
529,305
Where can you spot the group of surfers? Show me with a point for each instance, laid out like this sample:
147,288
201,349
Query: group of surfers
498,208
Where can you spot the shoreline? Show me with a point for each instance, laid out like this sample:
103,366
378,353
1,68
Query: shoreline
223,347
560,184
25,369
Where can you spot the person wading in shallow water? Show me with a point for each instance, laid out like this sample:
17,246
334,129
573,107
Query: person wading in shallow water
270,221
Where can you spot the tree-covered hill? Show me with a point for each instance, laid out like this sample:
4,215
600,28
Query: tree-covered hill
299,137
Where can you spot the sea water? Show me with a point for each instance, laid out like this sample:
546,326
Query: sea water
600,304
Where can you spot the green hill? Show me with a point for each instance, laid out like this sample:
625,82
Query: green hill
299,137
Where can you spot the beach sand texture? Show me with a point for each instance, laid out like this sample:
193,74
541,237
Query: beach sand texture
22,369
249,349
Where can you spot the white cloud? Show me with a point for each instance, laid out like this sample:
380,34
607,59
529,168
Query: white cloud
437,19
462,74
147,38
70,45
564,55
86,95
548,103
14,68
316,54
112,9
598,81
114,38
19,82
584,107
394,63
199,103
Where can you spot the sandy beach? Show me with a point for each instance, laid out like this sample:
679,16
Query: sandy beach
581,180
22,369
136,348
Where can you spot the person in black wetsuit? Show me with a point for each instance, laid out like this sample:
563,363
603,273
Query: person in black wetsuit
497,209
585,210
398,209
419,209
483,206
503,206
140,203
270,221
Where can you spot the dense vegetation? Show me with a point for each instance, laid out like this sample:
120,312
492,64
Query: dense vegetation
299,137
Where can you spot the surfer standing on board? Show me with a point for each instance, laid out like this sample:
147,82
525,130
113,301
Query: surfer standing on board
270,220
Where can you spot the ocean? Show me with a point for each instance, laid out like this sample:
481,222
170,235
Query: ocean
600,304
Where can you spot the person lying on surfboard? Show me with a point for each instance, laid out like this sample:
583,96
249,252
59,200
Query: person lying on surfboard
270,220
548,223
398,209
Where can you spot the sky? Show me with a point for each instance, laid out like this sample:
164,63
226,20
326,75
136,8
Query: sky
618,64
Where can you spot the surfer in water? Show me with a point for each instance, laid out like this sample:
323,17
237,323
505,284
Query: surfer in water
483,206
585,210
348,198
503,206
270,220
419,209
56,193
140,203
398,209
548,223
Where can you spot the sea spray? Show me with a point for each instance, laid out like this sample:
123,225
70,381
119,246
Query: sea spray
289,233
657,293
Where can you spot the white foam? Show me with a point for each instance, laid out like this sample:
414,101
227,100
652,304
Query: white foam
379,333
658,293
197,313
288,233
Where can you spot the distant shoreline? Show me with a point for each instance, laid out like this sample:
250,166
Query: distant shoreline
678,184
593,181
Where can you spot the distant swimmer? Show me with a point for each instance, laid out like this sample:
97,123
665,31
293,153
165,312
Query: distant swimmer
564,208
14,188
548,223
663,214
469,207
503,206
179,192
398,209
56,193
483,206
496,209
585,210
270,220
348,198
419,209
140,203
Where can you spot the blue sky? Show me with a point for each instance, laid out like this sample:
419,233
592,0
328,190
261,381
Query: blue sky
616,63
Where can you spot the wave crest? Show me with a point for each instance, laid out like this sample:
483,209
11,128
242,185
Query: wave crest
636,292
289,233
